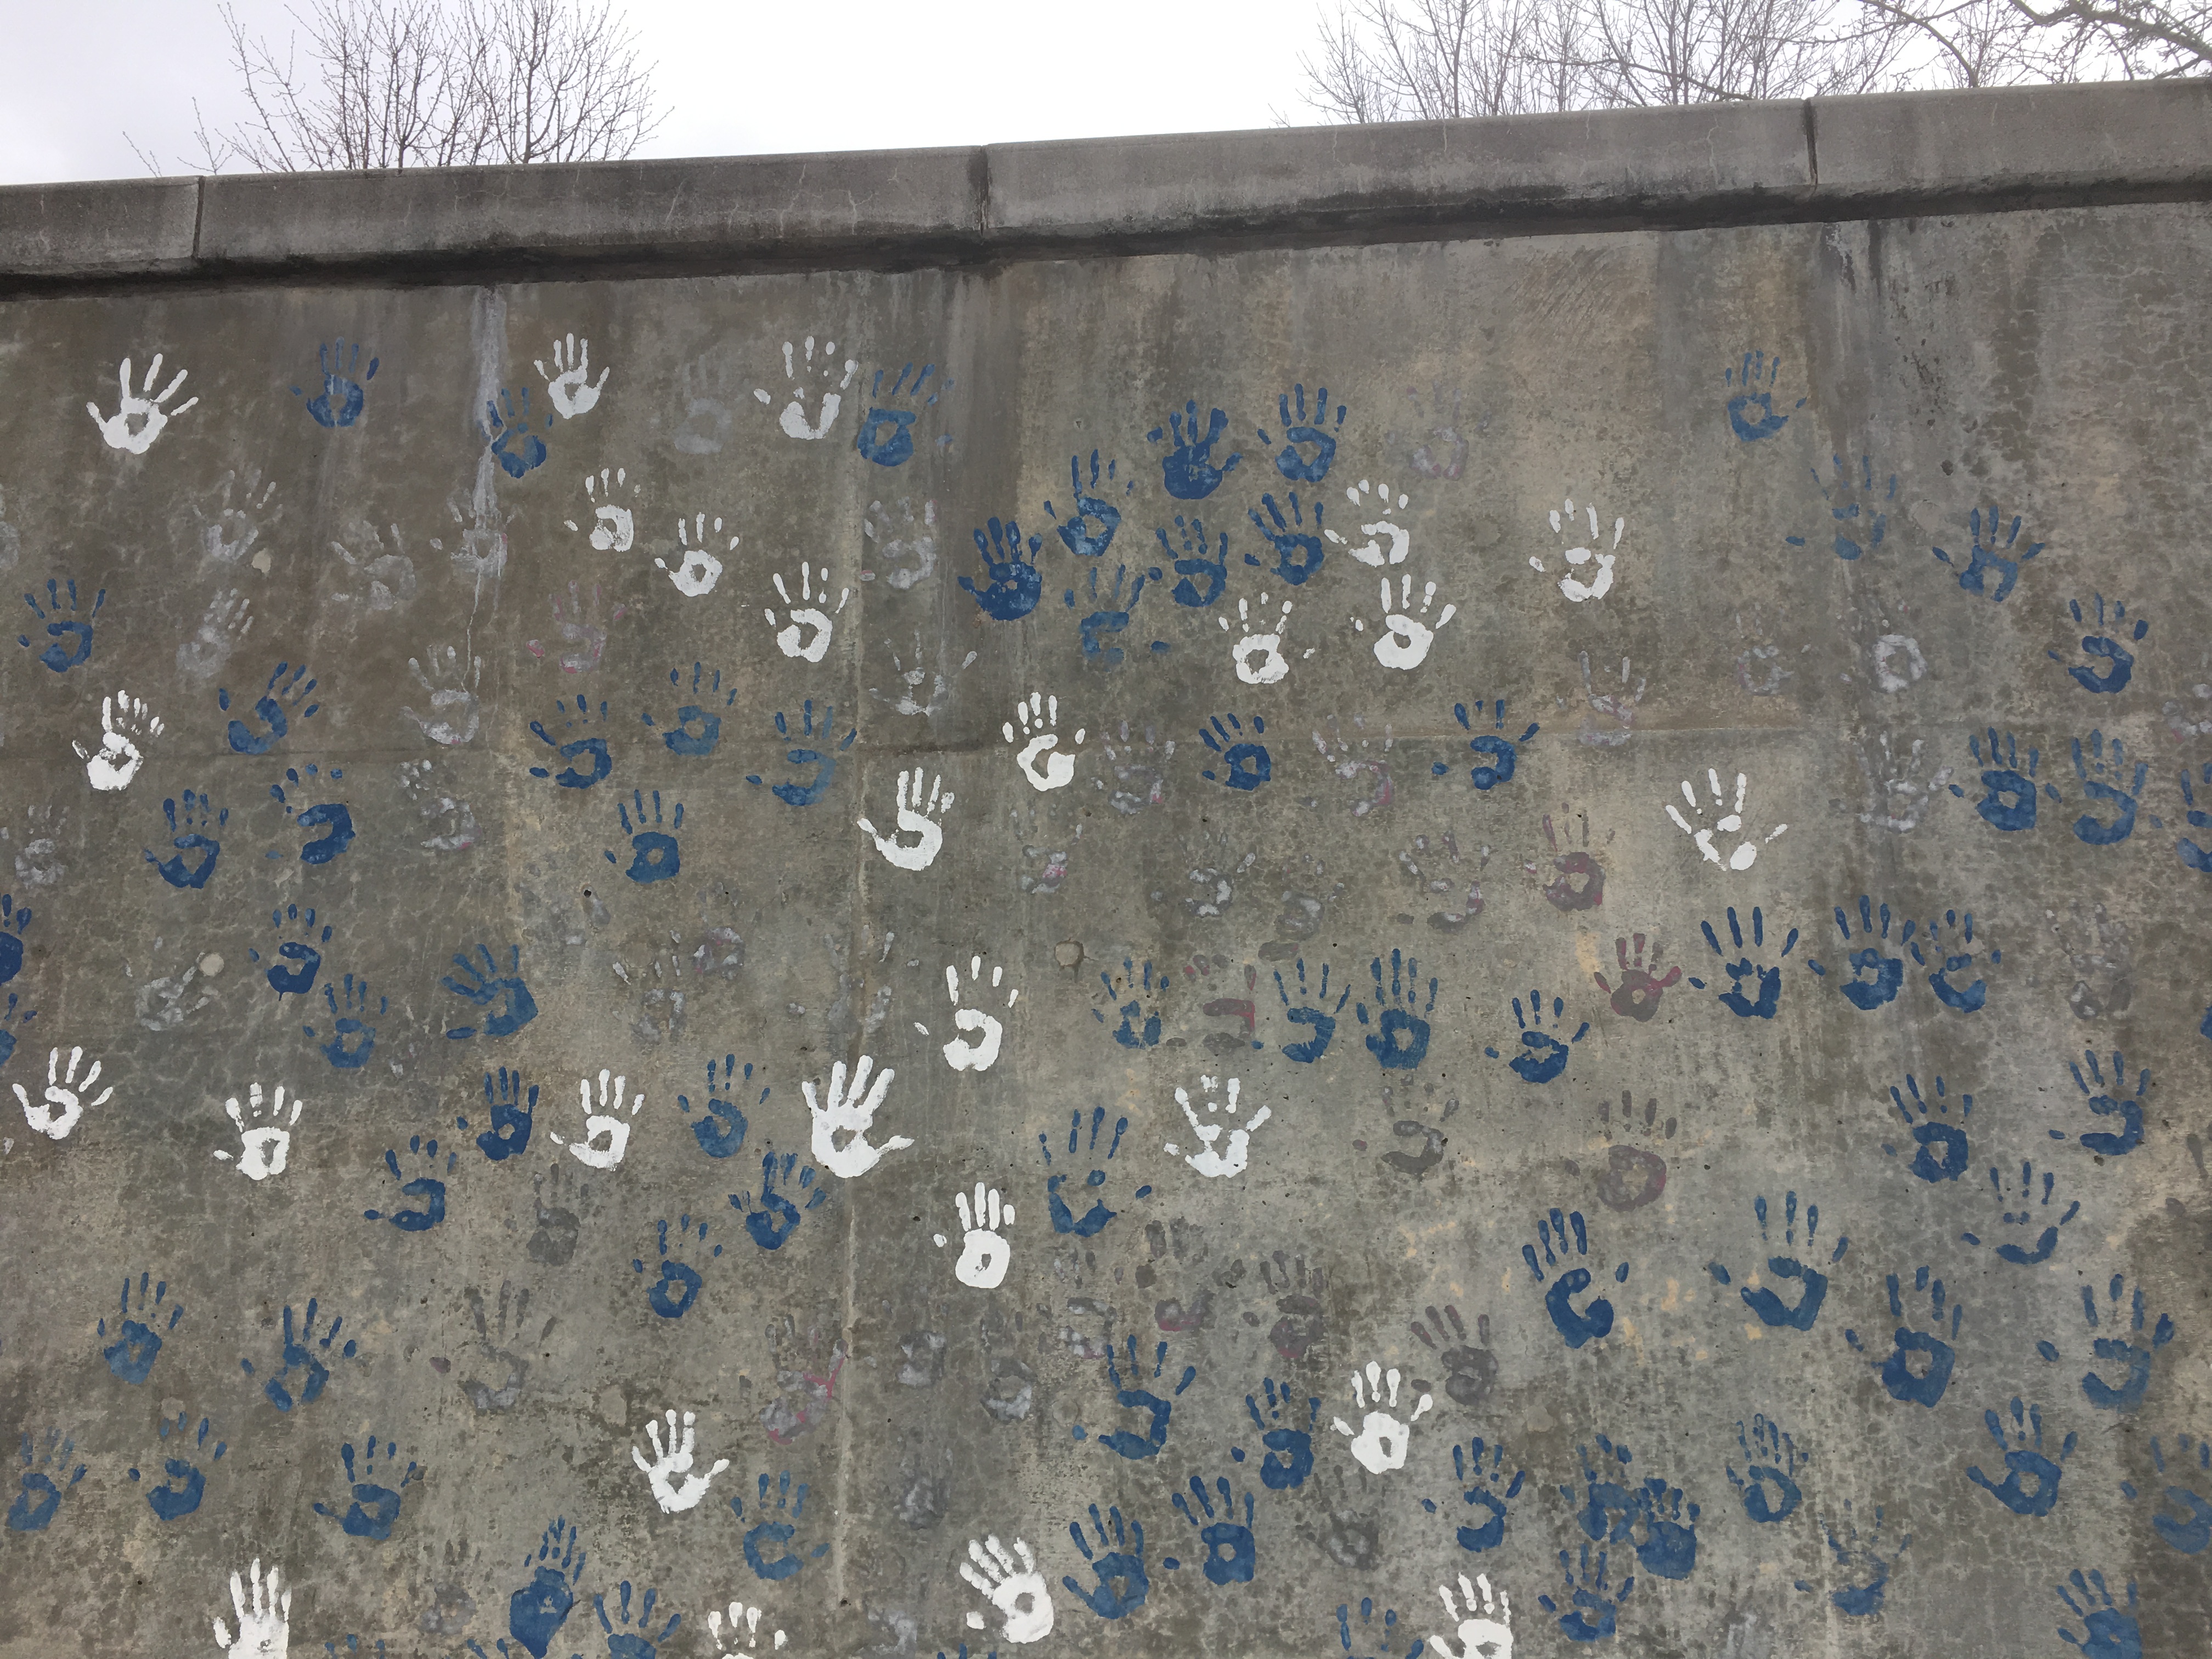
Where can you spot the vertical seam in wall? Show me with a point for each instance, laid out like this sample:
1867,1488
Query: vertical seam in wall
983,191
199,213
1812,145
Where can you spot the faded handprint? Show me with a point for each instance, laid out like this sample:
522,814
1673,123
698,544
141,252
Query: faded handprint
229,530
124,720
385,580
221,631
801,372
916,817
676,1487
580,637
1858,509
908,547
453,821
1640,988
1619,707
1726,821
144,407
1899,802
451,681
850,1112
264,1133
570,384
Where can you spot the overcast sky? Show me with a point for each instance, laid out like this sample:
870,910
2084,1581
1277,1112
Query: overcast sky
859,75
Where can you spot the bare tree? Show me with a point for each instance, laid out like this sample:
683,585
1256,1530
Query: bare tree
404,83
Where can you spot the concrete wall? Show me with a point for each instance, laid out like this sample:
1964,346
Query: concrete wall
1417,992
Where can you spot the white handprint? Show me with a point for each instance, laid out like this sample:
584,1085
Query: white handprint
1039,719
960,1054
850,1113
984,1253
917,817
450,679
1383,529
1210,1160
1727,821
1380,1440
1487,1634
116,762
228,622
675,1496
227,531
696,570
793,419
58,1109
791,638
1022,1596
116,428
570,384
1566,526
608,1120
750,1618
265,1627
265,1147
1258,655
613,527
909,549
1406,639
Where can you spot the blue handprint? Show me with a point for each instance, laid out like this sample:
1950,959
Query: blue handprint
1768,982
720,1130
340,400
1193,562
1123,1584
2190,1532
277,708
1925,1387
1768,1485
1092,1221
1231,1551
638,1640
8,1016
1400,1041
886,434
507,999
1941,1154
1316,1015
773,1528
1187,469
1875,977
679,738
1112,616
184,1483
536,1613
1140,990
1289,1457
512,1108
2033,1211
2107,785
36,1504
334,840
1481,1491
1016,584
1244,761
1955,959
591,749
676,1287
424,1193
303,1351
1669,1548
2186,849
1591,1610
506,420
1575,1327
1858,507
195,831
374,1508
2104,646
2031,1483
137,1341
1368,1635
13,919
1989,554
1751,413
71,634
655,853
2108,1101
1092,505
2108,1633
773,1219
795,792
1855,1555
1543,1057
1159,1411
352,1037
1298,552
1504,753
1301,434
1773,1312
2127,1349
2009,804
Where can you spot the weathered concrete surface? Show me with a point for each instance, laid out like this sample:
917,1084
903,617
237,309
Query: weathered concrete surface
2047,362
